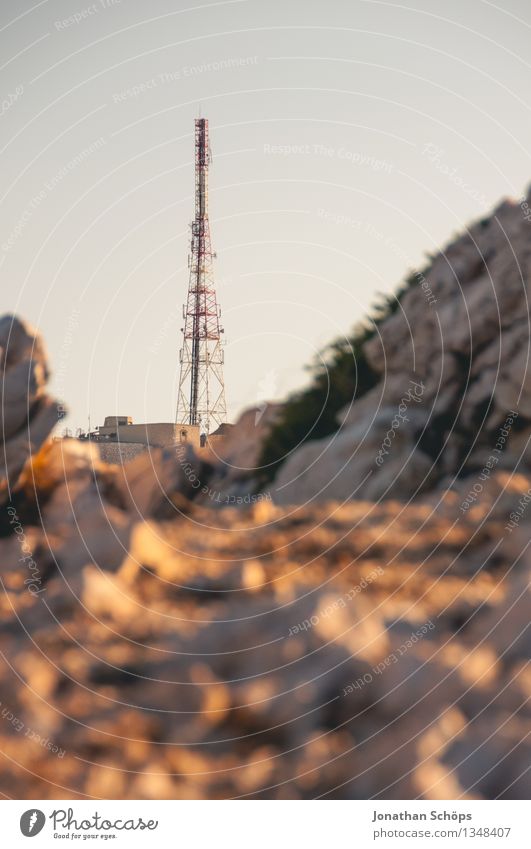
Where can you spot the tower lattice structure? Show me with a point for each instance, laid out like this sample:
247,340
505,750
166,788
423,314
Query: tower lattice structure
201,395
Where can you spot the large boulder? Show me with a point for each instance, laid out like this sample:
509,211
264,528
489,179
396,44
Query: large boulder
27,414
376,458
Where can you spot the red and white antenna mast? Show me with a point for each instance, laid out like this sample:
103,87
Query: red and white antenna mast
201,397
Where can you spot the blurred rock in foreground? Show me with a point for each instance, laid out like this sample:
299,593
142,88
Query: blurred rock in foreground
156,647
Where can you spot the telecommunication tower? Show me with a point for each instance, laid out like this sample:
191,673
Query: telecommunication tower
201,395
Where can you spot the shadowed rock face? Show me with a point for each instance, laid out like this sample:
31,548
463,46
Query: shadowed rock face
157,646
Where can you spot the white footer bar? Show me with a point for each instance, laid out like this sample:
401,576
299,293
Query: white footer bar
265,824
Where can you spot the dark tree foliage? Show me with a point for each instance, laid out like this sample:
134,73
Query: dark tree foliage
339,376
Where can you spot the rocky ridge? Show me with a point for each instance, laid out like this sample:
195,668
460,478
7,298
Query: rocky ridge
465,349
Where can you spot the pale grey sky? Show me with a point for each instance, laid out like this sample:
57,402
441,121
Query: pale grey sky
349,138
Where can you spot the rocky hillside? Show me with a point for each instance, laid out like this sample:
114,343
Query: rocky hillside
460,341
358,629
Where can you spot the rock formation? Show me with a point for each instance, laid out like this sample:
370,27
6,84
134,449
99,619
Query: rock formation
453,365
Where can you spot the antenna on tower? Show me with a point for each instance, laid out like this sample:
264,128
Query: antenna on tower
201,395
